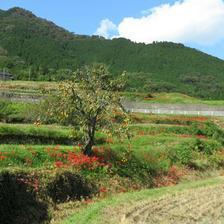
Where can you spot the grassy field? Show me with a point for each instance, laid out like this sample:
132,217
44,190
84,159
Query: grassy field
170,98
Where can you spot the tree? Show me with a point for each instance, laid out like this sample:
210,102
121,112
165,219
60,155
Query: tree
92,101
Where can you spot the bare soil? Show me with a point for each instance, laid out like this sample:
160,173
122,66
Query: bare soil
201,206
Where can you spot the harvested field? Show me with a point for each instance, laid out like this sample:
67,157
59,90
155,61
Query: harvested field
202,206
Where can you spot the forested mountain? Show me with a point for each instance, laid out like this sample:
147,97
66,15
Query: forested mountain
34,48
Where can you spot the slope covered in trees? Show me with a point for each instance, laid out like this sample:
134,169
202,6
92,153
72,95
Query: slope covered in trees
36,49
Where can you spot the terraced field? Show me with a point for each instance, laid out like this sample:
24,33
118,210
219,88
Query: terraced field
203,205
194,202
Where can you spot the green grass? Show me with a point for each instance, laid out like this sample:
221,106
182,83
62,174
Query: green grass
154,129
98,212
29,133
170,98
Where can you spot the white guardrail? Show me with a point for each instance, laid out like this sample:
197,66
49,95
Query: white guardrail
181,112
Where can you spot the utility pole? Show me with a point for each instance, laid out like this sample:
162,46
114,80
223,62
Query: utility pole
4,74
29,73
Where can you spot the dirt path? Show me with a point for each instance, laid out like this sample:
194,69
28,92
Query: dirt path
201,206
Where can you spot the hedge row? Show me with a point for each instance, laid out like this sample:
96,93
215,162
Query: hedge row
24,200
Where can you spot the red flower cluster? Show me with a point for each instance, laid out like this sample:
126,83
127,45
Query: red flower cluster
3,155
103,190
182,118
59,164
142,133
88,201
79,159
171,178
74,159
201,136
190,136
109,140
103,154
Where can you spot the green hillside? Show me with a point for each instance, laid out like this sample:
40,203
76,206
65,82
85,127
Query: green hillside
36,49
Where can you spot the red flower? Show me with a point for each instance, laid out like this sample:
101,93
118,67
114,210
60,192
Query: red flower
103,190
109,140
2,157
88,201
59,164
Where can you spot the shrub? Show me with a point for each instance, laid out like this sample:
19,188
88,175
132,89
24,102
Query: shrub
219,136
69,186
206,147
15,112
208,129
19,202
182,154
127,164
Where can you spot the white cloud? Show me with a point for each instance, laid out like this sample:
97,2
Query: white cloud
187,21
106,28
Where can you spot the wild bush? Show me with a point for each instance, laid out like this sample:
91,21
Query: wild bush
19,202
127,164
70,186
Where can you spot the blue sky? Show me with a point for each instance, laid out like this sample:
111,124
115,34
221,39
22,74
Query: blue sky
196,23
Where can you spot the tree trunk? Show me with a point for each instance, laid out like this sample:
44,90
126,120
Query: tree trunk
91,137
88,147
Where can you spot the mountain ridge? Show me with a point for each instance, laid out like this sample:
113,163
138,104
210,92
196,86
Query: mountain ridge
39,47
